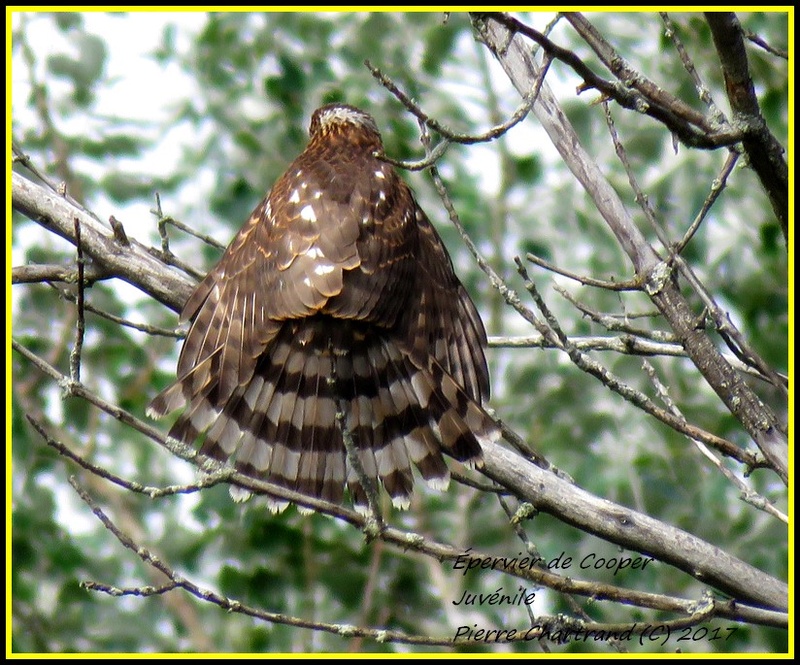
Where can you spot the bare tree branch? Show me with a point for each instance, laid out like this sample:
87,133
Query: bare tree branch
178,581
764,151
633,78
620,93
760,422
745,493
717,116
698,612
753,37
635,397
543,489
626,344
134,263
575,506
56,273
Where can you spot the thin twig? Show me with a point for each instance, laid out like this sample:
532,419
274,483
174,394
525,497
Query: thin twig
614,323
526,511
164,220
753,37
162,227
747,494
374,523
177,333
732,336
623,71
629,285
208,480
20,157
225,603
717,186
166,254
628,393
465,480
141,591
80,326
718,118
508,294
466,139
625,344
641,197
676,116
433,155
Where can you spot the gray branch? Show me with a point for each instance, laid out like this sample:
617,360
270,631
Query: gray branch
132,262
631,529
763,150
514,55
545,490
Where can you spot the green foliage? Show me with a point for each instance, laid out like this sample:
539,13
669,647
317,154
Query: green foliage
85,70
253,80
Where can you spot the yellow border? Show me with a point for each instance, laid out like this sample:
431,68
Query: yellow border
337,656
791,313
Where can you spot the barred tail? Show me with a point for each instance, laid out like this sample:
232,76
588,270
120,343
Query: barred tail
281,425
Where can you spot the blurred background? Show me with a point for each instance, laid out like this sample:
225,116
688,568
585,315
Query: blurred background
207,110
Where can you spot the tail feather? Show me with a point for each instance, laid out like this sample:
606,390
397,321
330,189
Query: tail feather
183,391
422,446
281,425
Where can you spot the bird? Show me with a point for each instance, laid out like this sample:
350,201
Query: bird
337,296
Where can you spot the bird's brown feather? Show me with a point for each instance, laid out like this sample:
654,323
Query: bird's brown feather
336,295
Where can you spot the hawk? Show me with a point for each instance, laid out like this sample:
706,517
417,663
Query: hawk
337,296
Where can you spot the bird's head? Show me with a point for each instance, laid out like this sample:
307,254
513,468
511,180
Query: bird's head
342,120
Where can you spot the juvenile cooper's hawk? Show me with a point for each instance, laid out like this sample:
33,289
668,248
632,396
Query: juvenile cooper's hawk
337,291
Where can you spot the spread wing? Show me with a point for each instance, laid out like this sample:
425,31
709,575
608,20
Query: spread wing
336,294
442,321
